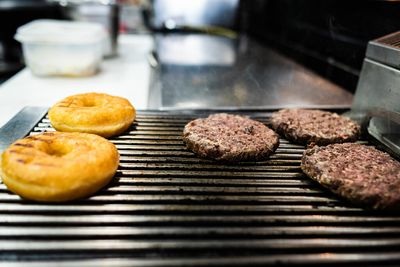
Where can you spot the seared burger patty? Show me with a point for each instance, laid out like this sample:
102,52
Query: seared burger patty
359,173
305,126
230,138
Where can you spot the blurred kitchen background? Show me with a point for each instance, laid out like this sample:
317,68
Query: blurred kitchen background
327,37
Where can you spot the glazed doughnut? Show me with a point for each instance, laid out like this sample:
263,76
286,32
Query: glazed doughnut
94,113
57,166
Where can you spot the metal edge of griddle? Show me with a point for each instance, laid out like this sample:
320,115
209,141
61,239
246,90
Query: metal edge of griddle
20,125
239,109
253,111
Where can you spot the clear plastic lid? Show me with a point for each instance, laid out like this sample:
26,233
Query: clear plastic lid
60,32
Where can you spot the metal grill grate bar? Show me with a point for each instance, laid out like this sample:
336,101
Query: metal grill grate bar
354,218
301,244
86,232
305,259
392,40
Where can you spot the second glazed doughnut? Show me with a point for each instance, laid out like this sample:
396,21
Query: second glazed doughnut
96,113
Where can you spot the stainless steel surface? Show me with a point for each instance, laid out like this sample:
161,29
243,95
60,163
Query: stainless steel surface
385,50
196,50
20,125
385,127
104,12
166,207
376,101
171,14
249,76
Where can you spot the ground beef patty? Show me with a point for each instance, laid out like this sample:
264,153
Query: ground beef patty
314,126
359,173
230,138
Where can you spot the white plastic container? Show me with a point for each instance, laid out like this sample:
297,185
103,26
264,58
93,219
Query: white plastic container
62,48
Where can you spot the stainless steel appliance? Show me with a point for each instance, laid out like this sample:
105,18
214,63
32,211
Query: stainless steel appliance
177,14
377,100
105,12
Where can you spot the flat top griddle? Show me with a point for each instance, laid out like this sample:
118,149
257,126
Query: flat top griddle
166,207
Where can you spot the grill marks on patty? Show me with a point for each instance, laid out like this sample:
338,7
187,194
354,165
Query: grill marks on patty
230,138
359,173
314,126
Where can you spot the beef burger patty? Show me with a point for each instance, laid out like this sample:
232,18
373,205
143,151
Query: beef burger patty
230,138
305,126
359,173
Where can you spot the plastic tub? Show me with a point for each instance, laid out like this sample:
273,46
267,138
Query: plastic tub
62,48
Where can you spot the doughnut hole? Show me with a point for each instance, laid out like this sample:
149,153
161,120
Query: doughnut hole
90,102
58,150
49,145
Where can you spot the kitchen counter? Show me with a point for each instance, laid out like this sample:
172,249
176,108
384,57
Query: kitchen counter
126,75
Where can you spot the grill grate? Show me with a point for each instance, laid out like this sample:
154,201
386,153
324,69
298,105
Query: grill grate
167,207
391,40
